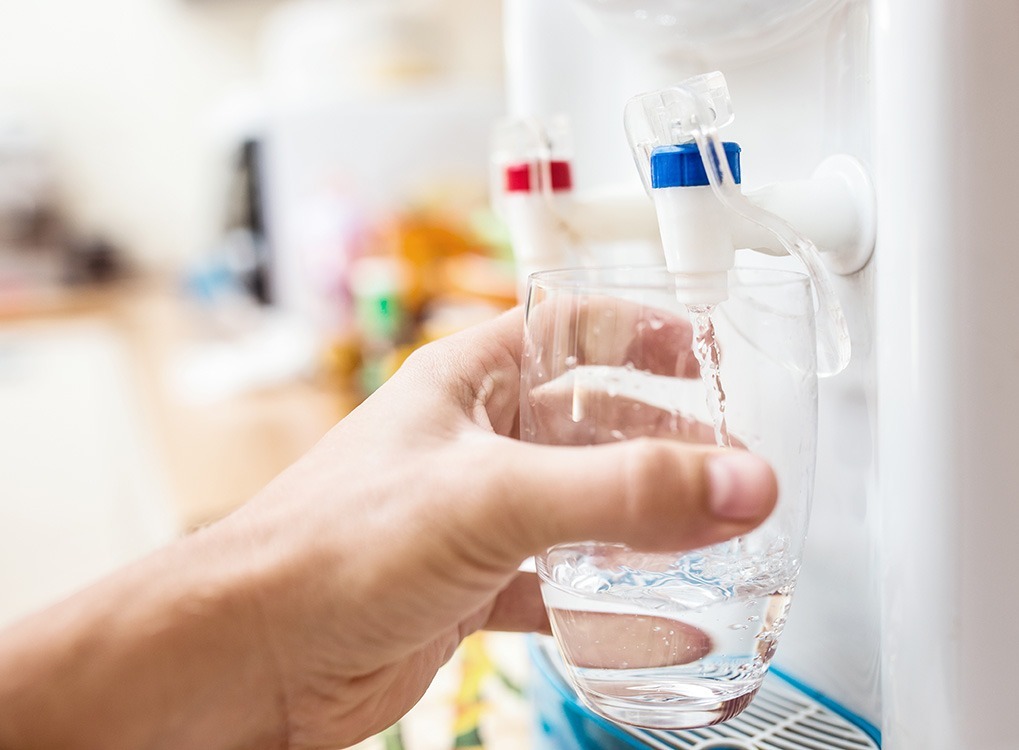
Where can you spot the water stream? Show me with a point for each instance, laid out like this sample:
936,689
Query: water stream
705,348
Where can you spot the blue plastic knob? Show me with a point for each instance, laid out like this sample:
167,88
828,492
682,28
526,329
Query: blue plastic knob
681,166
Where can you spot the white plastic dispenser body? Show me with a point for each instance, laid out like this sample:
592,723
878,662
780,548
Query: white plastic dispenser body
909,592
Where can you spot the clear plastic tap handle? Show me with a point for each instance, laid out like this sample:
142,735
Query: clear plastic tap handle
694,111
674,115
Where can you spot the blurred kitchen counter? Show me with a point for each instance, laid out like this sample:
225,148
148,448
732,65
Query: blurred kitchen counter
215,454
220,454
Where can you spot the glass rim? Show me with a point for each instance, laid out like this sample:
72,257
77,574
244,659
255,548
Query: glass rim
658,277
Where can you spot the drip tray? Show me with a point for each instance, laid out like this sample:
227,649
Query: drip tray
781,717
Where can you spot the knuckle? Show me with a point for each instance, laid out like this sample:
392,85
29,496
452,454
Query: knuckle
659,484
425,358
649,465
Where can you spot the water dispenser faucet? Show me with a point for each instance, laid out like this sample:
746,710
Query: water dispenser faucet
532,182
703,216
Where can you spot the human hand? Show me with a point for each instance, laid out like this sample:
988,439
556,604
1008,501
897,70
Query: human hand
318,613
402,531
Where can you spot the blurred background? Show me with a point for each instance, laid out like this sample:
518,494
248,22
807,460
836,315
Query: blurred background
222,224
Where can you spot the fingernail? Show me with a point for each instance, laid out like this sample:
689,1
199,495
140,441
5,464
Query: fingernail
741,486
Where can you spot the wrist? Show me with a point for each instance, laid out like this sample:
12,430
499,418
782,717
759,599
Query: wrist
167,653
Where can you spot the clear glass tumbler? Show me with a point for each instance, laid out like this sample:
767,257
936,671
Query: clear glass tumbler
680,640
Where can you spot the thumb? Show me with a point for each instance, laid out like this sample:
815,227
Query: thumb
651,494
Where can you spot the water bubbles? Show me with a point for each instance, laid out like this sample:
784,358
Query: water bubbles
617,435
656,323
673,422
706,350
738,626
571,362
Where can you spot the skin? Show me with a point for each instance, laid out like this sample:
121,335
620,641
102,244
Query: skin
318,613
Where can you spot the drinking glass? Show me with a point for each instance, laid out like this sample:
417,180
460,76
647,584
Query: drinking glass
679,640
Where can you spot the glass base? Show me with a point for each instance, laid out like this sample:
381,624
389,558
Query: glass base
666,710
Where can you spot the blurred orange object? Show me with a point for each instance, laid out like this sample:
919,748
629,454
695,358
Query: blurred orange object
479,277
424,240
427,274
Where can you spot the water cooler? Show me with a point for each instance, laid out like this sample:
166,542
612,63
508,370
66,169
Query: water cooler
900,635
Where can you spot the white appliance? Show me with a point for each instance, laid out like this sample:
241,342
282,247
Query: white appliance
908,602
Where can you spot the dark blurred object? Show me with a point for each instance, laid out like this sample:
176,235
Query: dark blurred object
231,282
245,245
93,261
26,182
41,252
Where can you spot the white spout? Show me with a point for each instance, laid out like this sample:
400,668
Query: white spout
697,241
696,228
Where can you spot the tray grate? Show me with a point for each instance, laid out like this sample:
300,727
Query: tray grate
781,717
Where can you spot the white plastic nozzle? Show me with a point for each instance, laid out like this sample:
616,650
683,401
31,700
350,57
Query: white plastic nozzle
696,228
697,242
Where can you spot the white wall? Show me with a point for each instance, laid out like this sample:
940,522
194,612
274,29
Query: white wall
128,93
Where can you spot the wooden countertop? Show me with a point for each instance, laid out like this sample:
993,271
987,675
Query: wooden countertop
215,455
